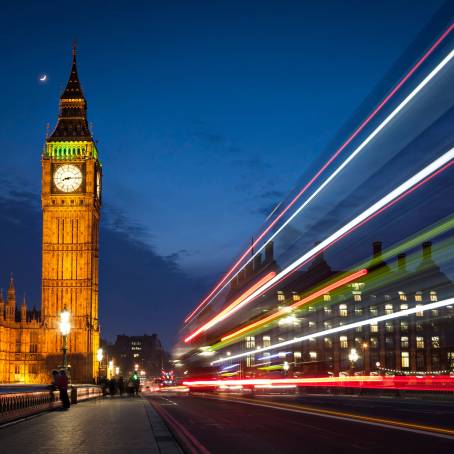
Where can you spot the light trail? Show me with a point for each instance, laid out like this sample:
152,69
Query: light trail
210,296
341,282
342,328
406,188
230,308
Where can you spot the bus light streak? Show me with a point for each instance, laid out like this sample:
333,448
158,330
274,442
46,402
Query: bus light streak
346,162
417,383
307,299
339,329
406,188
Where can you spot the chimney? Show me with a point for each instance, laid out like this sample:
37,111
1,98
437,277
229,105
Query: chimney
269,254
257,261
377,247
402,262
427,250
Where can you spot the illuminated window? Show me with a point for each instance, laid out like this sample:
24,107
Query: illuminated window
404,342
373,342
435,312
326,297
402,296
374,327
328,342
17,369
311,309
435,342
359,329
403,307
343,341
388,309
296,355
250,342
389,327
327,325
135,355
419,327
357,297
419,342
311,324
433,296
249,361
405,359
33,369
418,296
373,310
420,311
313,355
296,297
404,326
327,310
18,341
389,341
358,311
343,310
266,341
280,296
33,342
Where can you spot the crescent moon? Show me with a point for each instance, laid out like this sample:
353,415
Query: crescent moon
43,78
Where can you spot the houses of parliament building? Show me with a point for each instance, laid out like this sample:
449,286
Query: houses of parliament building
30,340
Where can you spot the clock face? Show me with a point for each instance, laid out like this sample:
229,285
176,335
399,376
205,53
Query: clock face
68,178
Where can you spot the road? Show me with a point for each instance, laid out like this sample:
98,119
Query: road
286,424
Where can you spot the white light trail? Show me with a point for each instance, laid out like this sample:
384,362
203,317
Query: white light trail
339,329
356,222
360,148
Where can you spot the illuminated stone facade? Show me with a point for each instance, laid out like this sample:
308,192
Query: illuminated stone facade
71,200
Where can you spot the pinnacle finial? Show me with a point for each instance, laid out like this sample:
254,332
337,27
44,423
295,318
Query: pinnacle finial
74,48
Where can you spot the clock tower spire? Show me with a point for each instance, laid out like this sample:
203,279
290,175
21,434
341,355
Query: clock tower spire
71,201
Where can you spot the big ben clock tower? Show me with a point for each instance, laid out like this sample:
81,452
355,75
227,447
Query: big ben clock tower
71,200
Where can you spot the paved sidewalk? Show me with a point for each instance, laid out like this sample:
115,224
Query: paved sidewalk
118,425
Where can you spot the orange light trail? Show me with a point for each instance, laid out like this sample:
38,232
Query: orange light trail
230,308
307,299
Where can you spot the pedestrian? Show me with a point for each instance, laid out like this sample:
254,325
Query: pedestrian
53,386
112,387
121,386
130,387
62,385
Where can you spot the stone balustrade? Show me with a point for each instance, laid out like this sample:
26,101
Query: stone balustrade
20,402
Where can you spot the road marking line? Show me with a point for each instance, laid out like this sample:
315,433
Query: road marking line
372,421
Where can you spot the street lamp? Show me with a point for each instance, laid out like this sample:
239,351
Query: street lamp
365,345
99,356
353,357
65,328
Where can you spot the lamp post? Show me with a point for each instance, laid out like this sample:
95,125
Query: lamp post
65,328
365,345
353,357
99,356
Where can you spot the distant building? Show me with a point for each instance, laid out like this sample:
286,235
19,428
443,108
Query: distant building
144,351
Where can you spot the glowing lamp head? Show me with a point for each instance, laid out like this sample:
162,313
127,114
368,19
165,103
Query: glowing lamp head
99,354
65,324
353,355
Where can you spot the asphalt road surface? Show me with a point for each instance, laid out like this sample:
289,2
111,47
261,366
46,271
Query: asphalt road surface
321,424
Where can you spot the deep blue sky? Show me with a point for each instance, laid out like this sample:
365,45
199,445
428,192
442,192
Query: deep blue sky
206,114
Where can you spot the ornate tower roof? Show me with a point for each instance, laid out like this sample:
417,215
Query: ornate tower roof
11,289
72,122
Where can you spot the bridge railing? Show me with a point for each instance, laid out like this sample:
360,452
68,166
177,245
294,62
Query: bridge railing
20,402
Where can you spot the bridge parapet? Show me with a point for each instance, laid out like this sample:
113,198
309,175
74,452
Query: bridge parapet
21,401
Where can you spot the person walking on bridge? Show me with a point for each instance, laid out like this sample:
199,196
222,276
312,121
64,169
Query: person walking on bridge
62,385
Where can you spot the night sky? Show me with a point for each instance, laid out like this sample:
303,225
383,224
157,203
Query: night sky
206,114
